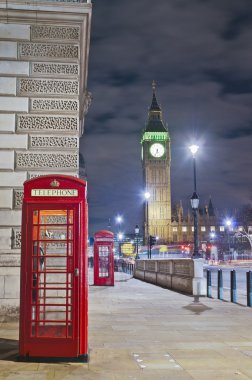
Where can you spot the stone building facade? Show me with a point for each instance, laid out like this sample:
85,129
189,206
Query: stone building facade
44,49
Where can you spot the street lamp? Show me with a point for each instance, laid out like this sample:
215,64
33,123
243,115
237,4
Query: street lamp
118,222
195,203
120,236
212,235
137,233
119,219
147,196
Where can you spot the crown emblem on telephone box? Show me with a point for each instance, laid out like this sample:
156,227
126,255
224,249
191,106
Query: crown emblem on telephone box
55,183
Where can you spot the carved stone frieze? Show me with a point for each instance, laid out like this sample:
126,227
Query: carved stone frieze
60,105
48,86
40,123
52,32
45,142
16,238
18,198
41,68
46,50
46,160
36,175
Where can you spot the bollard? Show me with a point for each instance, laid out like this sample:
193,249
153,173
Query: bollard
249,288
233,290
220,285
209,284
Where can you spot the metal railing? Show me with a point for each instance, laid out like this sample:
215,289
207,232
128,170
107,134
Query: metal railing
128,268
232,289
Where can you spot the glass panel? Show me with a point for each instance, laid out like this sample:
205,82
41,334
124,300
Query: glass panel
55,233
55,248
52,266
103,261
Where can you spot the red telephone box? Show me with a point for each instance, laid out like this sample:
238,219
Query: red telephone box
54,270
104,258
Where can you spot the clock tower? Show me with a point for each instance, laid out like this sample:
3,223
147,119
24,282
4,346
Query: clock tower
156,162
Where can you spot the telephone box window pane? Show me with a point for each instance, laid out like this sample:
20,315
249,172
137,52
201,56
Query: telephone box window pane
103,261
53,217
56,232
55,248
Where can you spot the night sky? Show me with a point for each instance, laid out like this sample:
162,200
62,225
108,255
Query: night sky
199,52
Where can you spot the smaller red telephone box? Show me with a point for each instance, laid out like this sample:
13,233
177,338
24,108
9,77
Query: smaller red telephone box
104,258
54,286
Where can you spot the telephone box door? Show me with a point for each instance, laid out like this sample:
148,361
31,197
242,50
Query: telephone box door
51,310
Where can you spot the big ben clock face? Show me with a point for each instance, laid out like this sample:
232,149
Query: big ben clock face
157,150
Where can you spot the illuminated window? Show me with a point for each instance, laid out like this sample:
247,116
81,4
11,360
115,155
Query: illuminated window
240,228
192,229
174,229
203,229
212,228
184,229
222,228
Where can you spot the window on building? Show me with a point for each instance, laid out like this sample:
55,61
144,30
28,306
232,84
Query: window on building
203,229
192,229
212,228
222,228
174,229
184,229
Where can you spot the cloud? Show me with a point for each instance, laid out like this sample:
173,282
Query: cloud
199,53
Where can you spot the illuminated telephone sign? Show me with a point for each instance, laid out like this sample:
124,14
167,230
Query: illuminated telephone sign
54,288
104,258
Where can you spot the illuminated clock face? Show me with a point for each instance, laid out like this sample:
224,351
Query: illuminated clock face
157,150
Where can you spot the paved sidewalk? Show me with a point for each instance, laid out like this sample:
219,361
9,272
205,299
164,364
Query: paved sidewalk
140,331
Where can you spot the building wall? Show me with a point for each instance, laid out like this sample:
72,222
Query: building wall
44,47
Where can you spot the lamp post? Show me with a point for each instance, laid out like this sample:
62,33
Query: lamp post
147,196
195,203
118,222
137,233
120,237
228,224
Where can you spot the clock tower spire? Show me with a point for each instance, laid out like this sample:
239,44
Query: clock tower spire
156,162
